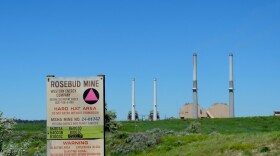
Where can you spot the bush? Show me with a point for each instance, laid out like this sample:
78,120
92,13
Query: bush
41,152
122,143
16,138
159,132
129,115
39,136
6,129
137,139
133,143
37,153
182,133
241,146
194,127
111,125
151,115
13,149
178,143
264,149
121,135
214,133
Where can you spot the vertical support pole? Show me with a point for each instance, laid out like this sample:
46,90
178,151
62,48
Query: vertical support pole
48,79
133,101
195,103
231,87
104,109
155,100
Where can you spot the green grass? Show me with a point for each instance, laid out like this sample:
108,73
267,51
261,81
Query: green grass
231,136
239,144
218,137
31,127
223,126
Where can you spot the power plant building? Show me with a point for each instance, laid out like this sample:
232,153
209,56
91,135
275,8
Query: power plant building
217,110
187,112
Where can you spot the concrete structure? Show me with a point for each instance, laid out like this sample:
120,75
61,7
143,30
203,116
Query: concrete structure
195,100
133,101
231,88
276,113
187,111
155,100
217,110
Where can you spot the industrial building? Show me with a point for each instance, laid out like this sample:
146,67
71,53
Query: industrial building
217,110
276,113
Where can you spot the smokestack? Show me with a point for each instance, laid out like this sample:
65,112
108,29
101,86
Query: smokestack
195,103
231,88
133,101
155,100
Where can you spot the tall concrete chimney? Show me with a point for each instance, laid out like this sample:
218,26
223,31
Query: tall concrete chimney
231,88
195,103
133,101
155,100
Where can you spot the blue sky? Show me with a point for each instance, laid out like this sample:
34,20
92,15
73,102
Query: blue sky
142,40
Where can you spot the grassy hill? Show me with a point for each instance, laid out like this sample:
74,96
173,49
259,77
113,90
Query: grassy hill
222,125
225,137
233,136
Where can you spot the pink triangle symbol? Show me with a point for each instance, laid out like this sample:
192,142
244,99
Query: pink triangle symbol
91,96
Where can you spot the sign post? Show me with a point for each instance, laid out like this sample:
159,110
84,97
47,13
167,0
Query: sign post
75,116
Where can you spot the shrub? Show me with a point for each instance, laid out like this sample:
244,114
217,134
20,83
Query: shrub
182,133
39,136
111,125
121,135
10,150
37,153
129,115
241,146
159,132
194,127
133,143
264,149
214,133
151,115
122,143
6,129
137,139
16,138
42,151
179,143
13,149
